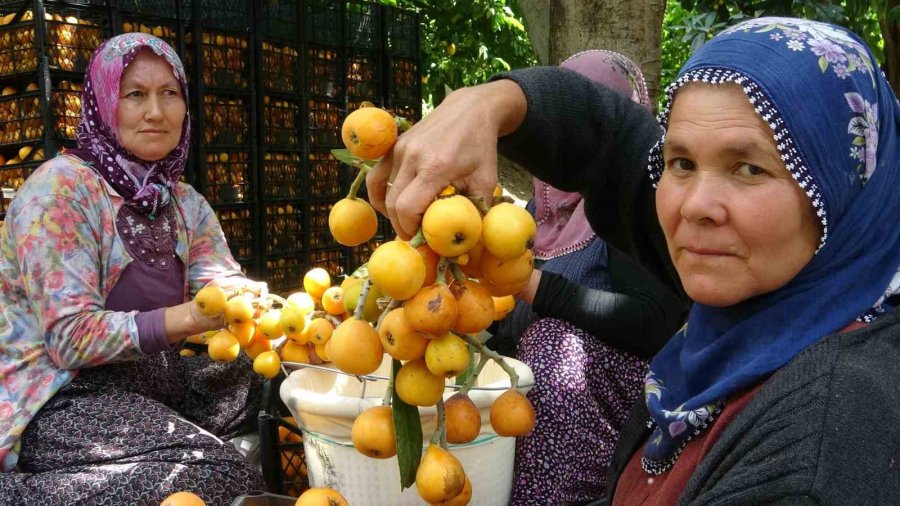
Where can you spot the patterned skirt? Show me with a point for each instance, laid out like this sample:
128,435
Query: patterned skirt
583,391
137,432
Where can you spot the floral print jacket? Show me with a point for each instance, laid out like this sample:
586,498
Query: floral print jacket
60,256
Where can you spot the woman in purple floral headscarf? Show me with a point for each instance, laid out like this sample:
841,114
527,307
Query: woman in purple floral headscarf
601,318
100,254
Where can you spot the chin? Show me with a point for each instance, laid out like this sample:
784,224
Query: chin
715,294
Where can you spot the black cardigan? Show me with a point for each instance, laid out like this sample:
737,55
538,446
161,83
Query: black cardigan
823,429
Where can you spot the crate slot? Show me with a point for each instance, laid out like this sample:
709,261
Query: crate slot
325,120
327,178
281,119
324,74
238,224
227,120
282,175
280,68
228,177
284,228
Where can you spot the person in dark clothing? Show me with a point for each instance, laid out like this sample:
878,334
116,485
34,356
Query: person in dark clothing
771,203
596,320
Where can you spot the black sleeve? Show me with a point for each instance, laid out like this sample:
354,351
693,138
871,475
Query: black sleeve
639,315
580,136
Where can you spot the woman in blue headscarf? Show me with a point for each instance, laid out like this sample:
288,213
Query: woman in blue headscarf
771,203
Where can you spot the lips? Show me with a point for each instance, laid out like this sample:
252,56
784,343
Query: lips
697,250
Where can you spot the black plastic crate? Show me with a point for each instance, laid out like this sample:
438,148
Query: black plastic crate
333,260
327,176
231,15
282,456
238,224
279,69
12,177
278,18
18,46
363,76
411,111
224,59
363,25
228,177
284,228
165,30
404,81
325,118
72,36
154,8
20,117
281,122
282,175
402,32
323,21
65,104
324,71
284,275
226,120
360,254
89,3
319,233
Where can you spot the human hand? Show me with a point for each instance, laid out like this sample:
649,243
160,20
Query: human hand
455,144
186,319
527,293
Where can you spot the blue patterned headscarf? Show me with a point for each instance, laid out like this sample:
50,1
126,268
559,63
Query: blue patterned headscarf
835,122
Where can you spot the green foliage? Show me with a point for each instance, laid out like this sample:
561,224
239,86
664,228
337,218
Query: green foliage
690,23
408,430
465,42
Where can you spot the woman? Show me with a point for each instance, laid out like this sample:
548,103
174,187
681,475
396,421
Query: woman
100,249
604,317
772,204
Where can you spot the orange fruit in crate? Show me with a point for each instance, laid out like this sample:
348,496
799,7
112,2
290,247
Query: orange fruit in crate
291,461
321,497
286,435
352,221
183,499
369,132
451,225
316,281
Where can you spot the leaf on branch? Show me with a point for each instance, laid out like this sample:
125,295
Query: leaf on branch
408,429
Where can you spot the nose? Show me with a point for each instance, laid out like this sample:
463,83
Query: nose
153,111
704,200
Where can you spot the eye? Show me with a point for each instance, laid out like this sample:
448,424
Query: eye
680,164
172,92
748,170
134,94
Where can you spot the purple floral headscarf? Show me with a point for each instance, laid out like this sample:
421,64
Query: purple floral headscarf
562,225
144,185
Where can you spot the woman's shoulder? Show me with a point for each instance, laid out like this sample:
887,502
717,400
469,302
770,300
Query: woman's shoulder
63,175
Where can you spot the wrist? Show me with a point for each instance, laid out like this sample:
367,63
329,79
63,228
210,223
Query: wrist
510,105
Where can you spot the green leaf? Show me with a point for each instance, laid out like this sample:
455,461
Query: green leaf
345,156
462,378
408,428
823,63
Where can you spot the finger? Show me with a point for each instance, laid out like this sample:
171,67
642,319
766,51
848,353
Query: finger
395,189
376,182
414,200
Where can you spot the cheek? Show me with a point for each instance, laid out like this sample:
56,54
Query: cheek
668,206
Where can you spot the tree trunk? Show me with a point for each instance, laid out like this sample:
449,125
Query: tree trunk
891,33
561,28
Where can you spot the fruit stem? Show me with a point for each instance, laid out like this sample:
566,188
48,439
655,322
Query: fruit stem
443,263
418,239
389,392
440,433
480,204
361,302
277,298
470,382
391,305
360,177
457,272
334,320
493,355
501,199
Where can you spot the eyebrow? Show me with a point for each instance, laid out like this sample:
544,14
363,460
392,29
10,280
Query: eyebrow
742,148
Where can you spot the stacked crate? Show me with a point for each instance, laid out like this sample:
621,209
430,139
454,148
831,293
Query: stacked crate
325,56
283,177
219,54
44,50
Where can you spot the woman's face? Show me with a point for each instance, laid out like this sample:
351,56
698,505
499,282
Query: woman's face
151,107
736,223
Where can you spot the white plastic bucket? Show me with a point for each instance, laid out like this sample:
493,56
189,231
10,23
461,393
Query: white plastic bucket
325,404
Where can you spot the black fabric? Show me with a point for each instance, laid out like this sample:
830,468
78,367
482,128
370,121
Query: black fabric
638,315
824,428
